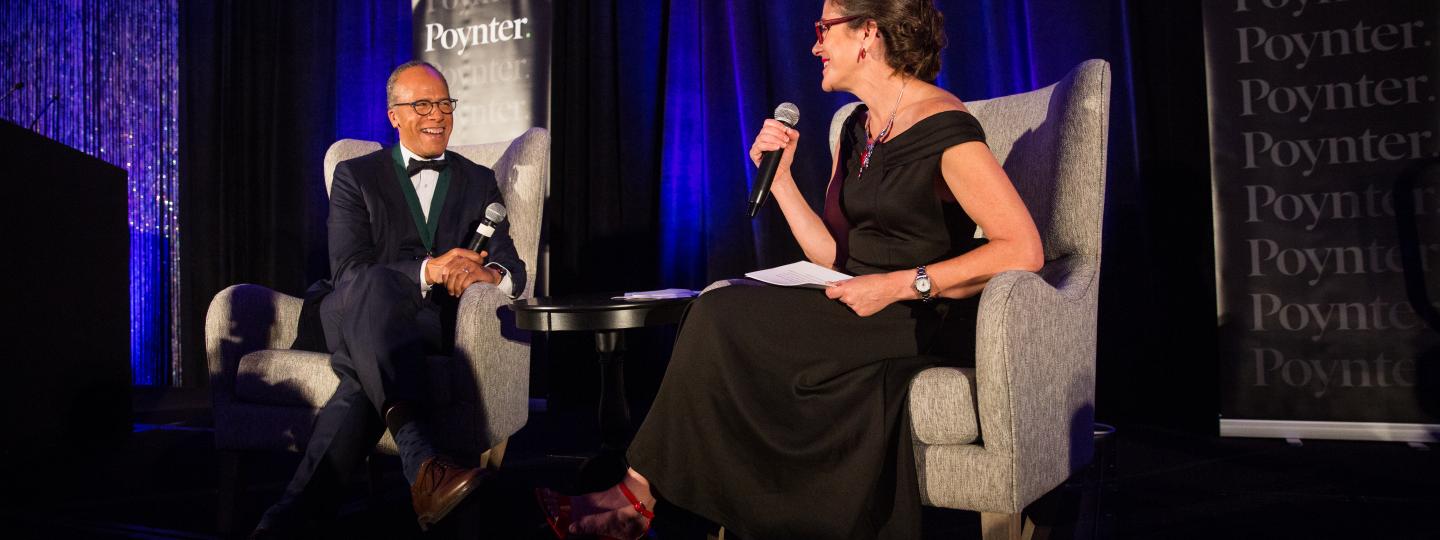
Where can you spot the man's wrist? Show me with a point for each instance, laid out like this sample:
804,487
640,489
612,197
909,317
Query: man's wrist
432,273
496,273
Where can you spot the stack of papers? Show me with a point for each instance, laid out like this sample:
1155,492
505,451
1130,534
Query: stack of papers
662,294
799,274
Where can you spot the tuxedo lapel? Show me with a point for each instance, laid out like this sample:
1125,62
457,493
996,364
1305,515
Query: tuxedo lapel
400,225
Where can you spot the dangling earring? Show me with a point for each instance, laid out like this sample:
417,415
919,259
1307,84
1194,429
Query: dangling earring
862,49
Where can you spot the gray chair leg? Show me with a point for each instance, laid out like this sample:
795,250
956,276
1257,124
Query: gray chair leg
997,526
492,458
229,488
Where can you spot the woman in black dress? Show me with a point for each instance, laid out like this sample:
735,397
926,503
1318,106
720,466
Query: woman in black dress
781,413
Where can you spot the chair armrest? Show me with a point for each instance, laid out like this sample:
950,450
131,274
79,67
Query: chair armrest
1035,371
498,356
242,319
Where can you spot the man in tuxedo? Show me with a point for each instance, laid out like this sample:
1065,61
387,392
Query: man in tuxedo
397,219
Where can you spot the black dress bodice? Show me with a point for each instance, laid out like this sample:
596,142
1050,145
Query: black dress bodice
895,216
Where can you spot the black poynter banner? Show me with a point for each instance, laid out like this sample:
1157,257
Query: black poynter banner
1325,137
496,56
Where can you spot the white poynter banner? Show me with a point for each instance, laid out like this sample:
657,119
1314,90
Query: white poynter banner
496,56
1325,135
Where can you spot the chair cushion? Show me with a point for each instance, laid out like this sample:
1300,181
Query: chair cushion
942,406
304,379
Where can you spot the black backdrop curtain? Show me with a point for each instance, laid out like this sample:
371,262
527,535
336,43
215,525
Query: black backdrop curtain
256,99
1157,358
603,212
259,110
267,86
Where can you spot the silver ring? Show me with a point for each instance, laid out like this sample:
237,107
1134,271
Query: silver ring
467,270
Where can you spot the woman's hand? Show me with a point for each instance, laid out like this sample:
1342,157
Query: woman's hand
867,295
774,136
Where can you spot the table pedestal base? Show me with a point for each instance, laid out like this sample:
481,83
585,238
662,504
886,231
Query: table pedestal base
608,466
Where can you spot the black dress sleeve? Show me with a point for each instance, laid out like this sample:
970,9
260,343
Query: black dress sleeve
933,135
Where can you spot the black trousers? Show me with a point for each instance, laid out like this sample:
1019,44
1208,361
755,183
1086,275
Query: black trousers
379,329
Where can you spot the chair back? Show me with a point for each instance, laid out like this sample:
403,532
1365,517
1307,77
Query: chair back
522,168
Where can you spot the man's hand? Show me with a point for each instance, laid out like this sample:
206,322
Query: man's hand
459,268
867,295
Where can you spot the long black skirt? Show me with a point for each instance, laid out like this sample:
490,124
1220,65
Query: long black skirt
781,412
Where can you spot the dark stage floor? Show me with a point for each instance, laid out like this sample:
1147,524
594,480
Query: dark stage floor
161,483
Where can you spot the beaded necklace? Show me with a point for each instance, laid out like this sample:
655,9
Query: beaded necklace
871,142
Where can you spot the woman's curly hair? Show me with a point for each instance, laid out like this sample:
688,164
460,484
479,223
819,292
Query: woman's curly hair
914,32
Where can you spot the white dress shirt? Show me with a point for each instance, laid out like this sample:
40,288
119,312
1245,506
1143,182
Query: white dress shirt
425,182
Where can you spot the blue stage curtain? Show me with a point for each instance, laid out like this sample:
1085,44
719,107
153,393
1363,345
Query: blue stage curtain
728,63
371,38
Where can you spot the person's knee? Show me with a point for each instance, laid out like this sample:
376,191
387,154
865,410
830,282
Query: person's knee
710,312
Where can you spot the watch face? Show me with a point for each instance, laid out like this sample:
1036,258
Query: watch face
922,284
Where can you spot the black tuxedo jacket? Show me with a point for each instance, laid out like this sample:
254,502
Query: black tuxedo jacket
370,224
370,221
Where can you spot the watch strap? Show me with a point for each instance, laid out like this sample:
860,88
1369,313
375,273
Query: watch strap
925,295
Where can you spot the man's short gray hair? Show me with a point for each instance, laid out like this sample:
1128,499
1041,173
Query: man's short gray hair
390,83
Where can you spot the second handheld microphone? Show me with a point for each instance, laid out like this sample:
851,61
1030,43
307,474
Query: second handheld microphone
787,113
494,215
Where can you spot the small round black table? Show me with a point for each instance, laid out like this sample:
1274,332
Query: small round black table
608,317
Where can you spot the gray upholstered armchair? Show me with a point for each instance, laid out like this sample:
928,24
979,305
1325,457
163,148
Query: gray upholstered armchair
266,396
993,439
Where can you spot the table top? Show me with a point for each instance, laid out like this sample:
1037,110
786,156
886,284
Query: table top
595,311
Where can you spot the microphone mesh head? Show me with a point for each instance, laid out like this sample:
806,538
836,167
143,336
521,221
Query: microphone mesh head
495,212
788,113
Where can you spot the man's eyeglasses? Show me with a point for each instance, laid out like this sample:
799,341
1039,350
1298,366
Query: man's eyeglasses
823,25
424,106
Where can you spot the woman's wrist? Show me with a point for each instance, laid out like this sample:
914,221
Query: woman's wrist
905,285
784,184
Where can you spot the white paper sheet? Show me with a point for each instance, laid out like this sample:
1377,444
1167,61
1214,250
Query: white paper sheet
798,274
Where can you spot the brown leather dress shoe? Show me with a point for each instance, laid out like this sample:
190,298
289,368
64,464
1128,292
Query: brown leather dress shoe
440,487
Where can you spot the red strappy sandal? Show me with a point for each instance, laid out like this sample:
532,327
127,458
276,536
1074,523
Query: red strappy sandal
557,511
557,508
639,507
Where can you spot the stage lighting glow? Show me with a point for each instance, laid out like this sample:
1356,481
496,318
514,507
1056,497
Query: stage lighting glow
114,66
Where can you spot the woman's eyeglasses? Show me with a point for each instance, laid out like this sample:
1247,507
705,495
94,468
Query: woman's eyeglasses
823,25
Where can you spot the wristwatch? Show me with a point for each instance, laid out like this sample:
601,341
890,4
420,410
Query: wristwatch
922,284
498,269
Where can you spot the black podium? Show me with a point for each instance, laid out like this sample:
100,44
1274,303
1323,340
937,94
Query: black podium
67,292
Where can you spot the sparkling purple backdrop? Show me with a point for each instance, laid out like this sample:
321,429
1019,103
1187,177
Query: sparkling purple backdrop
113,66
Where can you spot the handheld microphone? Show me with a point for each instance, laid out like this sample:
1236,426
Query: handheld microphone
42,111
12,90
494,215
787,113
